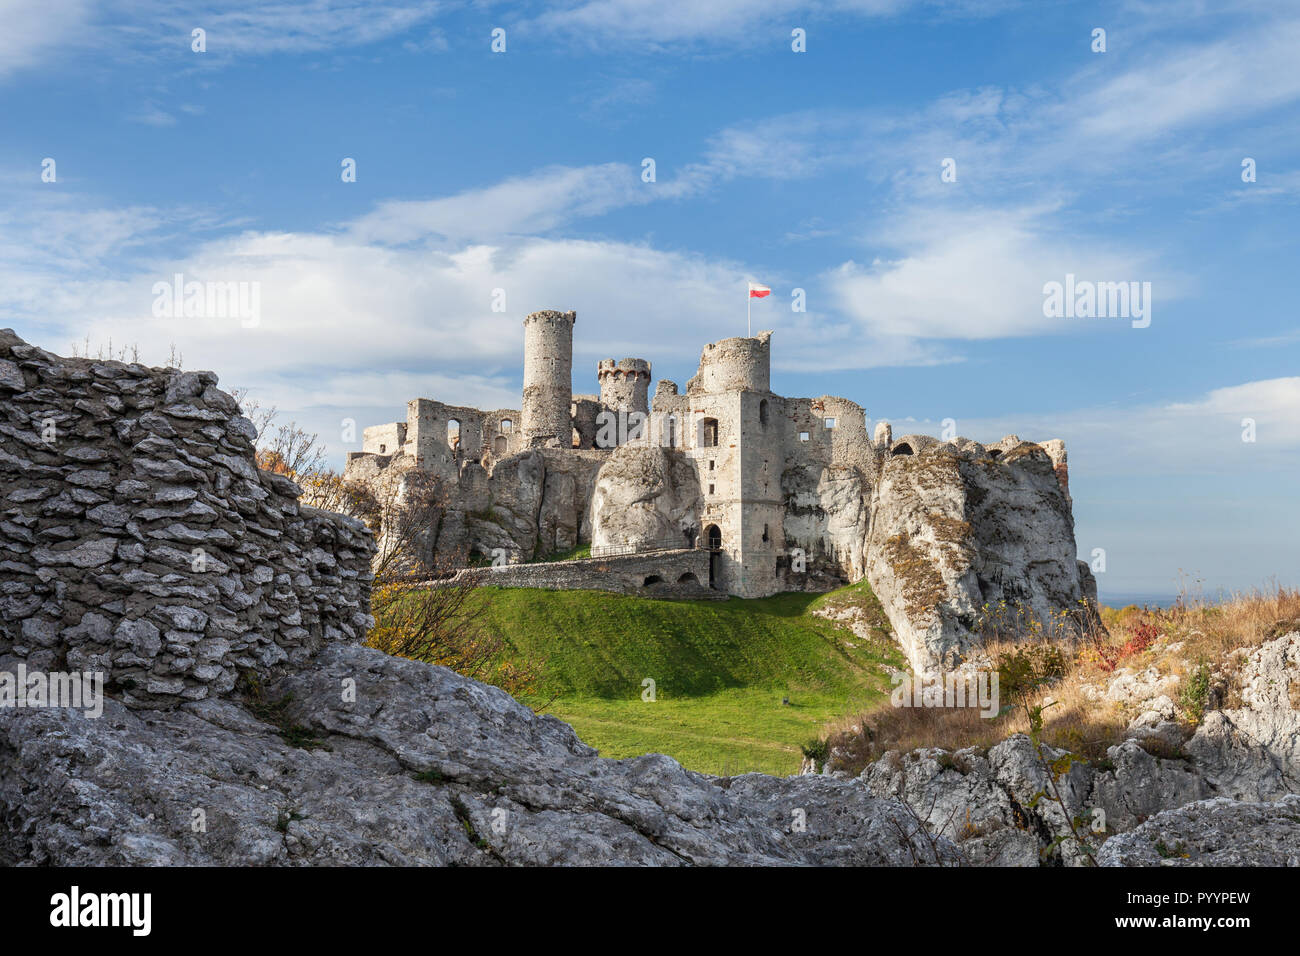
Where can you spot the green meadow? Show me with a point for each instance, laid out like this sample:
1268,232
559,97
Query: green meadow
721,671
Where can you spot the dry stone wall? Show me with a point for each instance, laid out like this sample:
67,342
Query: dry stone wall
139,539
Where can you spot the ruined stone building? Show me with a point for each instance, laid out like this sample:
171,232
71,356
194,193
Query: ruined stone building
727,488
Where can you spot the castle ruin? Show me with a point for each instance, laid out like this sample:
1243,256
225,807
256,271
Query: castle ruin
728,488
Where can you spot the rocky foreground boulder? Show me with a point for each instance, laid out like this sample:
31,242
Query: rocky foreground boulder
1219,832
1229,791
360,758
423,767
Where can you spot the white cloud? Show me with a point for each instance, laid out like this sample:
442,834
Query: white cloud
979,274
31,29
1140,441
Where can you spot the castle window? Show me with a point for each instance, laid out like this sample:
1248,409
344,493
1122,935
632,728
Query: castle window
762,413
507,426
711,464
453,433
672,431
709,433
382,449
803,436
711,489
764,533
830,423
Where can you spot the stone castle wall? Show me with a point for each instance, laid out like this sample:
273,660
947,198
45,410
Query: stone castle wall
679,574
139,539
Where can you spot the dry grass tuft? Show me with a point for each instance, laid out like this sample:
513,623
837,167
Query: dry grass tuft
1193,641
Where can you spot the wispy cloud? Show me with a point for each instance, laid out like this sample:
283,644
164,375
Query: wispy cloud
725,24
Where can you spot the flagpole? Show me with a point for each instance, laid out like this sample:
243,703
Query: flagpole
749,301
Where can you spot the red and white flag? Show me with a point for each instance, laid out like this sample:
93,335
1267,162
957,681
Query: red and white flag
757,291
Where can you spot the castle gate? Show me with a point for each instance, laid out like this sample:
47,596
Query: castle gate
713,541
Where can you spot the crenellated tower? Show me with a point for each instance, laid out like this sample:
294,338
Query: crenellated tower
625,384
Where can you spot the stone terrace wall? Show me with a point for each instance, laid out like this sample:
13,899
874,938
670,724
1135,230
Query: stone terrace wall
139,539
624,574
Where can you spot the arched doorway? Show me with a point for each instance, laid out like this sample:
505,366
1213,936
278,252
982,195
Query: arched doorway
713,542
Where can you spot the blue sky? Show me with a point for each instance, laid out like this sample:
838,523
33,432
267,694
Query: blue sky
818,170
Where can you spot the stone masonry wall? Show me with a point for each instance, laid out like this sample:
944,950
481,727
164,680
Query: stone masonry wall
139,539
656,574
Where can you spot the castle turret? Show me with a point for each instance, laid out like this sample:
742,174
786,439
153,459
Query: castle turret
625,384
548,378
739,363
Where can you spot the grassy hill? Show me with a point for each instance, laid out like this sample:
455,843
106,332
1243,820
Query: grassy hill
720,671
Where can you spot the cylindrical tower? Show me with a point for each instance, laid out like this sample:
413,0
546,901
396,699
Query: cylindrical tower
625,384
731,364
548,378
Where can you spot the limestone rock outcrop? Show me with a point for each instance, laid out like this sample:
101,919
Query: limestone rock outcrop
1252,752
645,495
955,532
424,767
827,512
991,804
1218,832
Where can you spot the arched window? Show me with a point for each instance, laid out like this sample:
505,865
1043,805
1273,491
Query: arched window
762,413
453,433
713,537
670,431
507,426
902,448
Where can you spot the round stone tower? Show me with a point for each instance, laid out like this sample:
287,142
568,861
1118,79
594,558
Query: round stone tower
731,364
548,378
625,384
